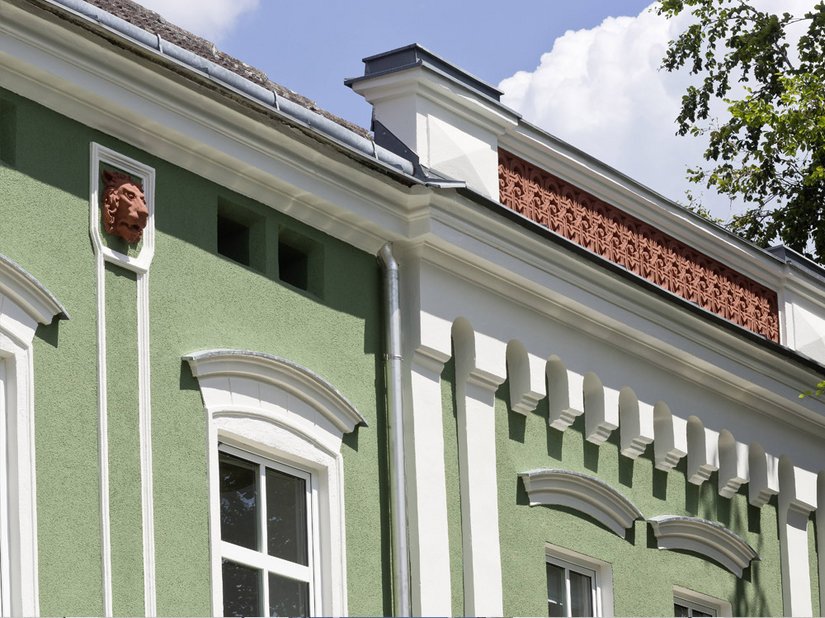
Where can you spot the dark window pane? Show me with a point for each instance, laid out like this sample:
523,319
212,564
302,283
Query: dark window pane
699,614
555,591
680,611
241,590
288,597
581,595
286,516
239,501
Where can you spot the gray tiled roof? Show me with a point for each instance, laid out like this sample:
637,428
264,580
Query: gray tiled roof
150,21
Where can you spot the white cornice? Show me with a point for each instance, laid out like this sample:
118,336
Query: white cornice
201,126
703,537
583,493
498,256
291,377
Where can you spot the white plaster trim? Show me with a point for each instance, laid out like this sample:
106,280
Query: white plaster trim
103,437
29,295
583,493
24,303
102,155
703,537
140,265
476,425
145,428
797,499
722,607
286,375
635,424
269,420
602,570
431,588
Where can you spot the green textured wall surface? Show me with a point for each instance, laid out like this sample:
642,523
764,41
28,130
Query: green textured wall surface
643,576
198,300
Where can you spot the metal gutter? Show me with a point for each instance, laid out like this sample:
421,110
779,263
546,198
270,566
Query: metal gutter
277,103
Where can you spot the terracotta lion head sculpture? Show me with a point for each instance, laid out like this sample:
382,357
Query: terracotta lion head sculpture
123,207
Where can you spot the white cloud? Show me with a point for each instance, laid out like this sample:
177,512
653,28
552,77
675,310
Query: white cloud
211,19
602,91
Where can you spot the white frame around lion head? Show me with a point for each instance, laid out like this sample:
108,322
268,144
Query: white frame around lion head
105,156
284,412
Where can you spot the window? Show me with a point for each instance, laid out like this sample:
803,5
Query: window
571,590
690,604
577,585
687,609
275,484
267,533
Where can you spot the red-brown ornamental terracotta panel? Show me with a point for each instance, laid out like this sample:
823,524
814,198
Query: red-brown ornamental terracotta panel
639,247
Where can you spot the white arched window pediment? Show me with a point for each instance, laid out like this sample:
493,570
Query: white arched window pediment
703,537
582,493
24,304
281,417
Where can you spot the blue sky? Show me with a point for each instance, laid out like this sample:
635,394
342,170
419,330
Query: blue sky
586,71
310,47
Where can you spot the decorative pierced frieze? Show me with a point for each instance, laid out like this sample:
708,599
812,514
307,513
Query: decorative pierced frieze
635,245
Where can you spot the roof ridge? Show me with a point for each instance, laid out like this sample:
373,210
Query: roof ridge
154,23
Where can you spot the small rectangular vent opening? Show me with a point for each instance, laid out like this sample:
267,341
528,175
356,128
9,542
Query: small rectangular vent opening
233,240
8,133
300,262
293,266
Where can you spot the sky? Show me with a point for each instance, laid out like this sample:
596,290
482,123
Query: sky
586,71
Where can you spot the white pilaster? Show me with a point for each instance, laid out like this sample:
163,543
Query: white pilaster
479,372
797,498
426,485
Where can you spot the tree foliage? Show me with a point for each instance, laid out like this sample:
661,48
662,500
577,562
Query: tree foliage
769,148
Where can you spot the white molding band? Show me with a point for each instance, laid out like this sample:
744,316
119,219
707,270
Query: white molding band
141,262
145,429
703,537
138,264
430,588
30,296
260,367
266,404
477,377
587,494
24,304
103,437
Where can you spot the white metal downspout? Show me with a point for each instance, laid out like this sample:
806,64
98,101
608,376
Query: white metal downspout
392,317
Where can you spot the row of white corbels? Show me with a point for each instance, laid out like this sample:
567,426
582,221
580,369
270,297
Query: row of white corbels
571,394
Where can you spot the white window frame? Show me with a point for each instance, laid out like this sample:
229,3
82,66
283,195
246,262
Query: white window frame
24,304
260,559
284,413
700,601
600,572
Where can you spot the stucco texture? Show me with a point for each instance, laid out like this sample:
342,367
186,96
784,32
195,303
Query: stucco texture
197,300
643,576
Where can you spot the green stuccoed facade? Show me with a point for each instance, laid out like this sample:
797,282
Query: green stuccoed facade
573,438
198,300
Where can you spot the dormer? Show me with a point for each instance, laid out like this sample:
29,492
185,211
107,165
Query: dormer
450,119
